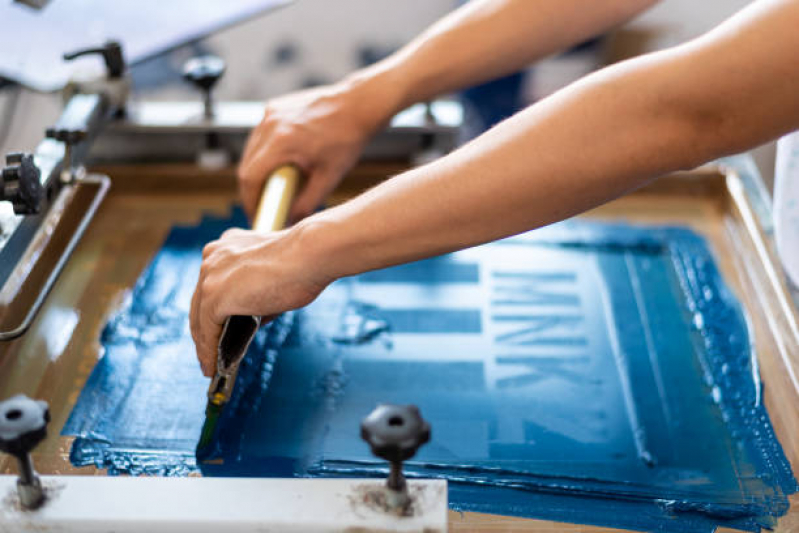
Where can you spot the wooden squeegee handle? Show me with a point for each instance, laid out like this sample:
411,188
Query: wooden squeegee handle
278,194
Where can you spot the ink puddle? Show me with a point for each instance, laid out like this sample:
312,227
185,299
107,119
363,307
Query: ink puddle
590,373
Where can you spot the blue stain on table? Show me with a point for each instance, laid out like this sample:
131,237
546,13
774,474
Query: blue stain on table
582,372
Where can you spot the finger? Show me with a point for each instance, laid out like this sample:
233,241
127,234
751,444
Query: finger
259,134
253,175
204,353
208,348
255,139
196,299
208,249
210,331
206,364
250,183
193,314
316,190
194,322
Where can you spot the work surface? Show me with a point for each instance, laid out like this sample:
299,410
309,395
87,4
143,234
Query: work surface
146,219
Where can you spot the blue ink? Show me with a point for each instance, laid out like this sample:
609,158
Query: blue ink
436,270
583,372
434,321
361,323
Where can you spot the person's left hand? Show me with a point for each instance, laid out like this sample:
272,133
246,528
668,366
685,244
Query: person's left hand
249,273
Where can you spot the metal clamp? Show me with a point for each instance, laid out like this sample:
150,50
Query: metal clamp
237,334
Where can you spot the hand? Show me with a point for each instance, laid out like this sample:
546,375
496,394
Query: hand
249,273
321,130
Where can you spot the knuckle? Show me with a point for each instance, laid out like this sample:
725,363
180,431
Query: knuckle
282,133
268,124
206,288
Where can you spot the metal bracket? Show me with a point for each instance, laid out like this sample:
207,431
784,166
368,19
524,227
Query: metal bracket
103,183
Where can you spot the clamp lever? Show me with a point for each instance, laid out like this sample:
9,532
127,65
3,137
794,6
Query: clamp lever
20,184
395,433
111,52
23,425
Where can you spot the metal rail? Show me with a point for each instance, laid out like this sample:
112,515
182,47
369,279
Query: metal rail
104,183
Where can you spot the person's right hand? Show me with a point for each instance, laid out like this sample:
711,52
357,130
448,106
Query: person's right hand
249,273
322,131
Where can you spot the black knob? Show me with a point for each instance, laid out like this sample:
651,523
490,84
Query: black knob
23,425
66,135
111,53
395,433
20,184
203,72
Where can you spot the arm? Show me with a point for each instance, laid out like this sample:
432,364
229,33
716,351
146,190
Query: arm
323,130
486,39
611,132
607,134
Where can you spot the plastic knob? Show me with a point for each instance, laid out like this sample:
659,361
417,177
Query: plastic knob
64,135
395,432
204,71
23,424
20,184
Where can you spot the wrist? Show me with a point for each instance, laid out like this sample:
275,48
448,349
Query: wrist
378,93
319,246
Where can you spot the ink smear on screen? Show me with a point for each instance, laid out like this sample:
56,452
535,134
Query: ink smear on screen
583,372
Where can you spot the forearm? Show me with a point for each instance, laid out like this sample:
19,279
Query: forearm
486,39
590,143
575,150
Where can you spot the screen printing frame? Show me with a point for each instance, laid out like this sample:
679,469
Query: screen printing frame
55,358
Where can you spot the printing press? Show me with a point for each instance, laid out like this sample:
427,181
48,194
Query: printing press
82,216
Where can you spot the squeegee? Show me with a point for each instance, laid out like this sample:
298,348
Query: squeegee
239,331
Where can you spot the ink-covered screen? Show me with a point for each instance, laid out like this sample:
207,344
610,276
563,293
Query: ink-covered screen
583,372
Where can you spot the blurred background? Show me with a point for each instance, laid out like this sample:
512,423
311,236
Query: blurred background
312,42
